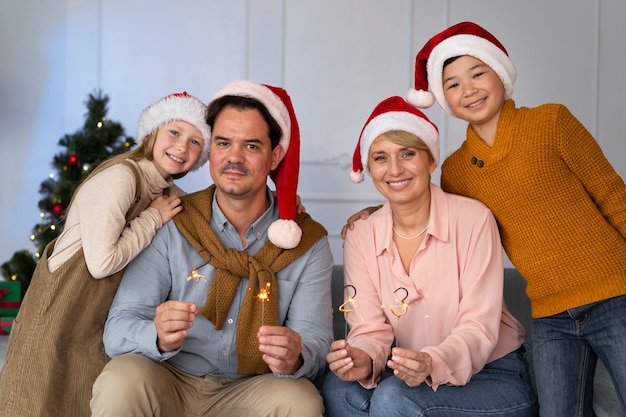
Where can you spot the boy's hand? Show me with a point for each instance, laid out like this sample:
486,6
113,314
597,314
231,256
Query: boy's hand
363,214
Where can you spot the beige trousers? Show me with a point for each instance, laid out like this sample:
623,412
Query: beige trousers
132,385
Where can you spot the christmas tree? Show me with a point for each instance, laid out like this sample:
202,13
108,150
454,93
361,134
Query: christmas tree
82,151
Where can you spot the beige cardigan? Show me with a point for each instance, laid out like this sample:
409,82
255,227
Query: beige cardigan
96,219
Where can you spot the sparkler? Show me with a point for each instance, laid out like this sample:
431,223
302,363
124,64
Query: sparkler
404,306
264,295
348,307
400,310
195,276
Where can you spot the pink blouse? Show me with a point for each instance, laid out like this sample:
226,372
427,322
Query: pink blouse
454,291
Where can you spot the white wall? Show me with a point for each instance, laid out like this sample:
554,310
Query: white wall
336,58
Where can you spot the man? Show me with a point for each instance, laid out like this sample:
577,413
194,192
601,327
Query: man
228,311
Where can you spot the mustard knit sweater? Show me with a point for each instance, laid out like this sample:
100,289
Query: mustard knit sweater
560,205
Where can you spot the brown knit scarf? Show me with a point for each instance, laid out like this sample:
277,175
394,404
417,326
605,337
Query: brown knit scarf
194,222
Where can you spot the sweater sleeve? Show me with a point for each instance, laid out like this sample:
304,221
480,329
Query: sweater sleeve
102,204
584,157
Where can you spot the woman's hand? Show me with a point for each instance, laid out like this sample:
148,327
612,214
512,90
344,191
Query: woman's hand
363,214
347,362
410,366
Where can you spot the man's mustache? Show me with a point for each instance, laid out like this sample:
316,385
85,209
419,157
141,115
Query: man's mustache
234,167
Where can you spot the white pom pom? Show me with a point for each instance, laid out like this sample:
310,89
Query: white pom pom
356,177
420,98
285,234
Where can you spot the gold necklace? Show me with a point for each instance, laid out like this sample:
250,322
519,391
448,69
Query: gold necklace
407,237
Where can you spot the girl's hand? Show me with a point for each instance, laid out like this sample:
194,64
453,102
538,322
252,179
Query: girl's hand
168,207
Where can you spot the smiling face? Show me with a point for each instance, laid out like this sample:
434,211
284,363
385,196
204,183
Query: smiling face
401,173
241,155
177,147
473,91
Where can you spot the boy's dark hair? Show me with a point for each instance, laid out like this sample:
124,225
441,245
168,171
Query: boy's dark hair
450,61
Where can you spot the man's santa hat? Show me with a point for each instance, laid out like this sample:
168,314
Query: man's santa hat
465,38
177,106
392,114
285,232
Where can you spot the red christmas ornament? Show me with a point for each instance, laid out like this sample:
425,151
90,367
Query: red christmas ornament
73,159
58,208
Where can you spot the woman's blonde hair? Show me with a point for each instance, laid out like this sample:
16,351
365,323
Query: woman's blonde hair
402,138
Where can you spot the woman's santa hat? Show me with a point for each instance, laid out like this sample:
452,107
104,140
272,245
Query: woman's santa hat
465,38
177,106
392,114
285,232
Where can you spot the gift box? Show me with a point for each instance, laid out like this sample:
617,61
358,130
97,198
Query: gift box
10,296
5,325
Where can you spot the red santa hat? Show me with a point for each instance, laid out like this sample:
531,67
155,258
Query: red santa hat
391,114
177,106
285,232
465,38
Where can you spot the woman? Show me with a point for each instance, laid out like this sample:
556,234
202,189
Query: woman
425,271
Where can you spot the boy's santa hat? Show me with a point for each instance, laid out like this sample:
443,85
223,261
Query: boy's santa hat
177,106
392,114
465,38
285,232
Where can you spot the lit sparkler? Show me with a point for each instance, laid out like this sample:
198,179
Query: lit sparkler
195,275
264,296
348,307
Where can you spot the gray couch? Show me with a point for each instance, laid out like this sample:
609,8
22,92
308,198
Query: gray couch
606,403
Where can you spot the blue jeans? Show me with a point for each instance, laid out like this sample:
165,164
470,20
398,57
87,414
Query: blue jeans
502,388
566,348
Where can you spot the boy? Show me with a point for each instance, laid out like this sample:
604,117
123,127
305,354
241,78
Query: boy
560,206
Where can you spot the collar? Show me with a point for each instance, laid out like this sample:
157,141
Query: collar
257,230
438,225
154,181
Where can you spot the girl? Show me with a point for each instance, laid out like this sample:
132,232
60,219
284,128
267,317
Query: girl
55,349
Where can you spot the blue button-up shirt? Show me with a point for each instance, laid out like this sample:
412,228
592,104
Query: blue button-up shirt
161,271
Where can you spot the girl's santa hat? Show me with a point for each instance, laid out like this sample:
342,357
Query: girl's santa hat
392,114
285,232
177,106
465,38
